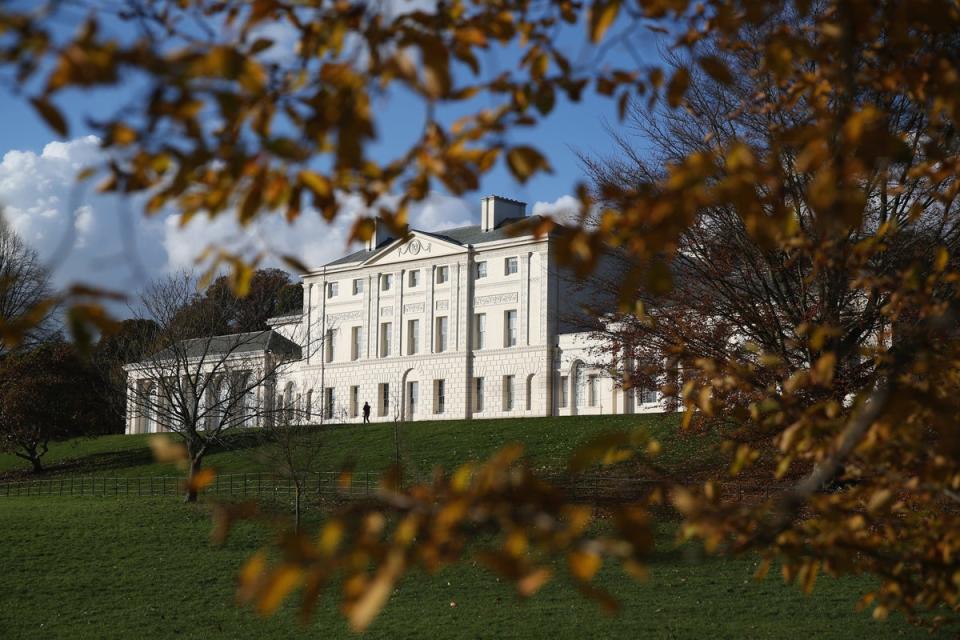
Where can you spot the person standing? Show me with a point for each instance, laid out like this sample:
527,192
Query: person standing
366,412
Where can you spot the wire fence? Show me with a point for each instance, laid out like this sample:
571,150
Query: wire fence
586,488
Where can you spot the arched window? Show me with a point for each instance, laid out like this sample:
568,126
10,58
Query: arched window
308,411
529,392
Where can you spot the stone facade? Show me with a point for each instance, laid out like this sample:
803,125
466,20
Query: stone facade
455,324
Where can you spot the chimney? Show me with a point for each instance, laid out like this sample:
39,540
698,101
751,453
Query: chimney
378,237
494,210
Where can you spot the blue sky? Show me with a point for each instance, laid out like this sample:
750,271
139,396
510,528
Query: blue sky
40,201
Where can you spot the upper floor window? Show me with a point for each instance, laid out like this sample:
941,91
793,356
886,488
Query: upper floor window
413,279
386,335
386,281
510,266
330,344
480,270
413,337
441,337
443,274
332,288
357,287
510,328
356,343
479,330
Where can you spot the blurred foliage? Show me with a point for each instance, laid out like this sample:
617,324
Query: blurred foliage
223,127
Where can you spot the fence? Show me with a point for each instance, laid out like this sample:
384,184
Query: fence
589,488
233,484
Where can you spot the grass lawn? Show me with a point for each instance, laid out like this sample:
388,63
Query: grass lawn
128,568
423,445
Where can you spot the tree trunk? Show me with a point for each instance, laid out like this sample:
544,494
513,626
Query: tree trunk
37,465
296,507
191,494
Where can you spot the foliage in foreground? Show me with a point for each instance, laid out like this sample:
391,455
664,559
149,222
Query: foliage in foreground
291,132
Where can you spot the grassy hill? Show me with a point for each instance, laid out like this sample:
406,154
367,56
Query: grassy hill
423,446
143,567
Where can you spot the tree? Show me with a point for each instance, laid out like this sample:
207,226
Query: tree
44,397
292,445
27,312
223,125
196,384
124,344
263,300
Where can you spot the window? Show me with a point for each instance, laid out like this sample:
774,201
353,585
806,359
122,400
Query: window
562,396
510,266
413,337
332,289
441,340
510,328
383,399
329,345
439,397
413,389
508,393
413,278
646,395
592,391
356,342
386,281
309,408
478,394
529,392
328,401
354,401
443,274
357,287
479,330
386,333
480,270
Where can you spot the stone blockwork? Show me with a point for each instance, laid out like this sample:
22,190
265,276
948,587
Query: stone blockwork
387,324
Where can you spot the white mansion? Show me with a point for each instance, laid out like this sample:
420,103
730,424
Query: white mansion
463,323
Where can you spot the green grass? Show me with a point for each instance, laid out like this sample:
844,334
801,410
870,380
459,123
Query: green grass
125,568
424,445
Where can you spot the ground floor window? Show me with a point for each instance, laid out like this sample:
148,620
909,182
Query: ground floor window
508,393
383,399
592,391
439,396
328,402
412,392
478,394
562,396
529,392
354,401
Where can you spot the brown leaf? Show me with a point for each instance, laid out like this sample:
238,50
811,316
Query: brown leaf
51,115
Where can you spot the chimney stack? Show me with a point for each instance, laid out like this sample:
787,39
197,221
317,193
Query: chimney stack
494,210
378,237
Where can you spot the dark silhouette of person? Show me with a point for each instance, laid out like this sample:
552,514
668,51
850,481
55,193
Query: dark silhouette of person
366,412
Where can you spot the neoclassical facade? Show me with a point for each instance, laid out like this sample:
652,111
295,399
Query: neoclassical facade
472,322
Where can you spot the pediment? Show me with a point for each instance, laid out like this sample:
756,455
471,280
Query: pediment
415,246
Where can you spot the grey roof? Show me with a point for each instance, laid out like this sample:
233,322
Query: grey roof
462,236
250,342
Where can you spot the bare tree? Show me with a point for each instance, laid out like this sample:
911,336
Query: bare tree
25,290
197,385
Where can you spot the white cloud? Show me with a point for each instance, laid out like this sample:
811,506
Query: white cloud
106,241
565,209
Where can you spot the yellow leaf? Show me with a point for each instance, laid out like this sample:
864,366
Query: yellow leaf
583,564
371,602
602,15
525,161
317,184
284,580
202,479
533,581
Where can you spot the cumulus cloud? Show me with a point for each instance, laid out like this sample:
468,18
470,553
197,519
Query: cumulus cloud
566,209
105,240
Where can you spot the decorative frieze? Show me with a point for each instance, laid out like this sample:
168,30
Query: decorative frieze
500,298
442,305
386,311
345,315
413,307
